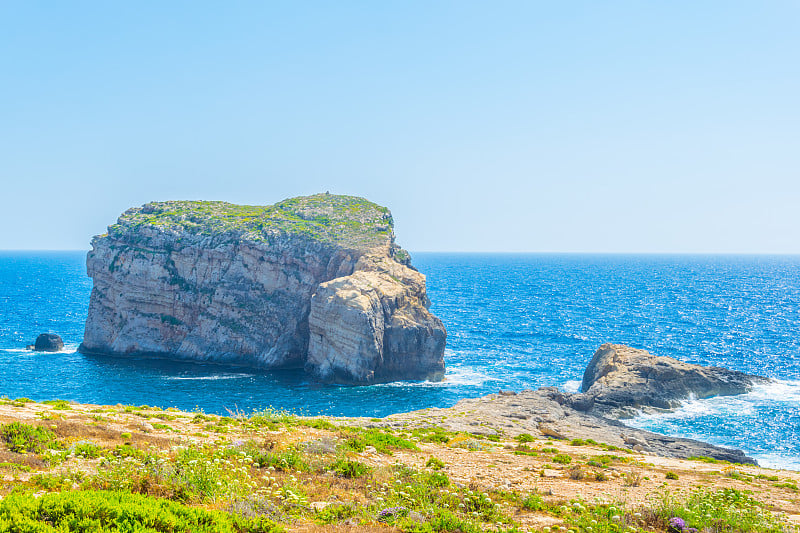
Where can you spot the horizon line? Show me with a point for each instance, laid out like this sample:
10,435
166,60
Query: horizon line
480,252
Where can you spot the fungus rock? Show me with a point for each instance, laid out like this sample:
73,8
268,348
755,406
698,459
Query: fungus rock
312,282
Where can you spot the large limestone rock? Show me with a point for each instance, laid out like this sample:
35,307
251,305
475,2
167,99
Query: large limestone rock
314,282
379,311
620,380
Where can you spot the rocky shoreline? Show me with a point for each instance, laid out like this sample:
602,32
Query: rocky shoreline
618,382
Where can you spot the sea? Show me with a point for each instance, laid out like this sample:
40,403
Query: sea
514,322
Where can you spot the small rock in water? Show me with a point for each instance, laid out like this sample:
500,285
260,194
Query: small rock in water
48,342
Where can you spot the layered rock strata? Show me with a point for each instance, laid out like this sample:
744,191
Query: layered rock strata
620,380
312,282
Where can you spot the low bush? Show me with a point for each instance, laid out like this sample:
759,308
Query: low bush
102,511
524,437
435,463
350,469
24,438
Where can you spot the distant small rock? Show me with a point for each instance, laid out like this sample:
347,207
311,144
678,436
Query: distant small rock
48,342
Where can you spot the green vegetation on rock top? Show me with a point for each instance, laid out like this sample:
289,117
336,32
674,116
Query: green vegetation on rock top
344,220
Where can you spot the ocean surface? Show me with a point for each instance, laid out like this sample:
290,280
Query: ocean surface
514,322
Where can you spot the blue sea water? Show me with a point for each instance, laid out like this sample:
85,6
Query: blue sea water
514,322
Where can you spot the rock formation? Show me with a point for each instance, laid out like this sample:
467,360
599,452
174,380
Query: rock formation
620,380
547,412
47,342
312,282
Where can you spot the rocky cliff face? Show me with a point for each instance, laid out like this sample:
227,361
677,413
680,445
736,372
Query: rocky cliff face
314,282
620,380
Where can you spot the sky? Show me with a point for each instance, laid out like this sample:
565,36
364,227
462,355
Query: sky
640,127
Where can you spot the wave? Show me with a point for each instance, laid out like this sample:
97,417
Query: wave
777,391
68,349
208,378
755,422
453,377
573,385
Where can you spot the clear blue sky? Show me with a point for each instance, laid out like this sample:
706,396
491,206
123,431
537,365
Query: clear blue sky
485,126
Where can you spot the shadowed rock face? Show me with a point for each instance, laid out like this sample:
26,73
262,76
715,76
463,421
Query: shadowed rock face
48,342
620,380
312,282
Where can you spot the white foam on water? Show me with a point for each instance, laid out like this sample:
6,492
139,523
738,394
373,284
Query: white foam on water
572,385
68,348
453,377
207,378
772,460
779,390
781,394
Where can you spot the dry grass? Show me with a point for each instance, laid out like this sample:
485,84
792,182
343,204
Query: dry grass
492,467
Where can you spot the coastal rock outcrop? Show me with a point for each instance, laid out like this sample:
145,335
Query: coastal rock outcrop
312,282
48,342
546,412
620,380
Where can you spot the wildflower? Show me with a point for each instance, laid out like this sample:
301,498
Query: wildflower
676,524
391,512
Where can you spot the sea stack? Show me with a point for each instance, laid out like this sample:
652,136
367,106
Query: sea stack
48,342
313,282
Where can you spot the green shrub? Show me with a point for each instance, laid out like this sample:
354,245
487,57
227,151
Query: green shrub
334,513
433,434
562,459
533,502
704,459
285,460
720,510
107,512
350,469
59,405
524,437
437,479
317,423
382,441
435,463
88,450
671,475
24,438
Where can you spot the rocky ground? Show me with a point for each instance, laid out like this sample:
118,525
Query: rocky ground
337,473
